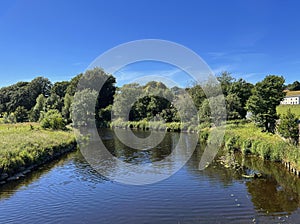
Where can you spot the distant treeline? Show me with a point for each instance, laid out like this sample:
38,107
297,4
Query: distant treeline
30,101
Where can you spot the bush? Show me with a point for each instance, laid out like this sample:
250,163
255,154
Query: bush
289,127
53,120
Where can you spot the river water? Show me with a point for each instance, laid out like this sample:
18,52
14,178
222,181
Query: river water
71,191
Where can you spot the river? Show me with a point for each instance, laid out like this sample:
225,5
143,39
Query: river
71,191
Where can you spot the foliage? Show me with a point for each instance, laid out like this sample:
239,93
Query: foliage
23,94
197,94
225,80
239,90
250,140
52,119
83,107
295,109
21,114
66,110
295,86
93,79
153,100
38,108
289,127
266,96
9,118
60,88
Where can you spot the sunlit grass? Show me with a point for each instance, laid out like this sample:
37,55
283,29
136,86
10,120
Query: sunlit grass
26,144
295,109
251,140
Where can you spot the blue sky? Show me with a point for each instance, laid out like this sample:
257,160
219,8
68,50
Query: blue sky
59,39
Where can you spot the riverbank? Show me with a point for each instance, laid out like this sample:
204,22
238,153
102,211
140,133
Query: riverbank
249,140
239,136
26,146
158,126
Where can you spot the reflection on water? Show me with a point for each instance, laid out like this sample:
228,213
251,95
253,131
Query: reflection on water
71,191
146,165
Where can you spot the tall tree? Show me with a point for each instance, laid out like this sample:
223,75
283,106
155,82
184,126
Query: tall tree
60,88
266,96
83,107
241,91
38,108
225,80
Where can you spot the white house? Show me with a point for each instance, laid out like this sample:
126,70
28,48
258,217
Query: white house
291,98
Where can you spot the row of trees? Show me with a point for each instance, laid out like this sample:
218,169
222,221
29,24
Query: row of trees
40,99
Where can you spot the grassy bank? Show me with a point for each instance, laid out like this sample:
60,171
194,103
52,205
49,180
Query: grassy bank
159,126
27,145
249,139
295,109
239,136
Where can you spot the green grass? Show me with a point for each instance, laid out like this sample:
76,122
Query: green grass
250,140
282,109
25,144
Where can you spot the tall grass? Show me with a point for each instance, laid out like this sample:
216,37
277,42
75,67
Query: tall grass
25,144
295,109
250,140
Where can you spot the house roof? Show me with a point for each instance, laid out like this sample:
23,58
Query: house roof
292,93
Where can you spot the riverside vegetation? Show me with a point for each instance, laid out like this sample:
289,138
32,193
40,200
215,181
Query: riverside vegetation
260,132
24,146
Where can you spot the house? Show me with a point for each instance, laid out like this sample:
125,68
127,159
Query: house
292,97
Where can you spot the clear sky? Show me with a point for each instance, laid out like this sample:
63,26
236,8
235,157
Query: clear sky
59,39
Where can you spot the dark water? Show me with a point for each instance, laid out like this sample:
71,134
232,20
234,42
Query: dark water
70,191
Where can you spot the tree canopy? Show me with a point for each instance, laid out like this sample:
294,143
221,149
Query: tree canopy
266,96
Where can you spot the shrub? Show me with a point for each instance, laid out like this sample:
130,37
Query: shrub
53,120
289,127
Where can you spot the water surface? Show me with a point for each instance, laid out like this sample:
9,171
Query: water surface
70,191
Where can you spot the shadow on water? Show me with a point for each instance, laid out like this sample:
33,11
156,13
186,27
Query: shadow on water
81,170
8,189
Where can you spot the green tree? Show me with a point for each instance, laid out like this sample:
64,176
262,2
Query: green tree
60,88
204,112
54,102
21,114
233,106
295,86
266,96
23,94
72,87
66,111
83,107
242,91
197,94
125,99
289,127
225,80
38,108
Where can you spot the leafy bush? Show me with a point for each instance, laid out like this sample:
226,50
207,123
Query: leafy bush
289,127
53,120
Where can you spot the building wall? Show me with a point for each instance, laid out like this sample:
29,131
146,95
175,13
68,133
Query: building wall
291,100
